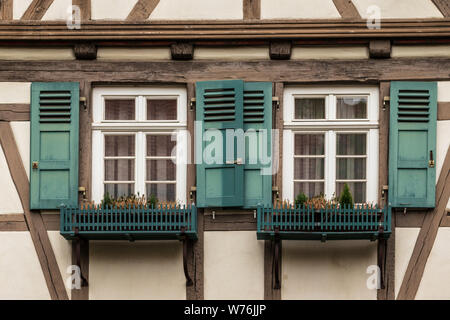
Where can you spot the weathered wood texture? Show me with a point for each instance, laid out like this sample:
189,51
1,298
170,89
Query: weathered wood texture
85,8
277,118
182,51
142,10
298,71
445,222
443,112
13,222
6,9
36,10
388,293
252,9
443,6
51,221
85,51
412,219
347,9
34,220
83,292
230,222
85,146
269,272
230,30
280,50
14,112
195,263
380,49
427,236
191,173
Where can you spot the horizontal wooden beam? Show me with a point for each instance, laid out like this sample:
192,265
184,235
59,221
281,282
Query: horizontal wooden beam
312,71
14,112
230,222
231,30
13,222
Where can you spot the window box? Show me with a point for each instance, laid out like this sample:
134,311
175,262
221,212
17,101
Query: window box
333,223
130,223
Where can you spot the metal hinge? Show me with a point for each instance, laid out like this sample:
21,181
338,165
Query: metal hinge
386,102
192,104
83,102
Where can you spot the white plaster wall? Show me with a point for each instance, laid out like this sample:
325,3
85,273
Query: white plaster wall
9,198
298,9
15,92
21,276
150,270
351,52
197,9
442,144
435,282
109,53
405,240
420,51
111,9
19,8
231,53
391,9
444,90
63,253
36,53
331,270
21,130
233,265
58,10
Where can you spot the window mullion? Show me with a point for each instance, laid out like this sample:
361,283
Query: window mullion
140,163
331,164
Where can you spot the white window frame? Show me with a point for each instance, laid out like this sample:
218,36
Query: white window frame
330,126
140,127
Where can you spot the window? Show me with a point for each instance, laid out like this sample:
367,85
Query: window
139,142
330,139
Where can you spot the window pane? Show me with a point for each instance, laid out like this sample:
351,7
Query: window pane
163,191
358,190
310,189
159,145
161,109
119,189
120,109
119,146
119,170
351,168
351,144
160,170
351,108
310,108
308,168
309,144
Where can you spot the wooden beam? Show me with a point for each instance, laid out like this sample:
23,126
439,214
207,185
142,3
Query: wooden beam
14,112
36,10
85,51
443,112
51,221
252,9
83,292
85,8
280,50
6,9
412,219
182,51
269,268
196,262
225,30
142,10
347,9
443,6
13,222
230,222
34,220
427,236
380,49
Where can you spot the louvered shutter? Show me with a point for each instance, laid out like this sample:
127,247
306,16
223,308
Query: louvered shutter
258,117
54,144
412,144
219,107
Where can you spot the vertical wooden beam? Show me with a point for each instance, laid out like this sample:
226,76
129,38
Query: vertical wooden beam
427,236
388,293
85,8
443,6
347,9
142,10
37,10
83,292
252,9
6,9
269,271
277,118
34,220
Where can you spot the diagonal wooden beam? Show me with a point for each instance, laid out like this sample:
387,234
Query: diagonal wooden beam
34,220
6,9
85,8
142,10
427,236
252,9
347,9
36,10
443,6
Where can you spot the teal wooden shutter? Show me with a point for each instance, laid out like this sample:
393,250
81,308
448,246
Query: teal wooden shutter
412,144
54,144
258,116
219,106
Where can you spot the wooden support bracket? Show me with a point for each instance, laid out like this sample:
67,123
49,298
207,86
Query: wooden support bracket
185,240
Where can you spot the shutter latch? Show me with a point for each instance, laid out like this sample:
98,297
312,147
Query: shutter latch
35,164
431,161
